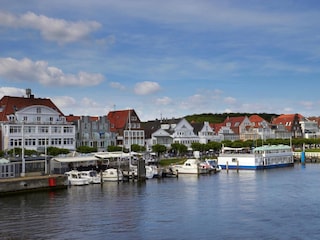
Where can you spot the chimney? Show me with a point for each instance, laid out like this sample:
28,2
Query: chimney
28,92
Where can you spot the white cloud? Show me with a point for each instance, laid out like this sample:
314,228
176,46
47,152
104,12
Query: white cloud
39,71
117,85
52,29
64,102
163,101
145,88
307,104
11,91
230,100
87,102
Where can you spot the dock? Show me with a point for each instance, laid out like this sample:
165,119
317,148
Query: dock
9,186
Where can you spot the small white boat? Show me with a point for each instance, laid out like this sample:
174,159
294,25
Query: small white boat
112,175
75,179
157,171
91,175
149,172
190,166
213,163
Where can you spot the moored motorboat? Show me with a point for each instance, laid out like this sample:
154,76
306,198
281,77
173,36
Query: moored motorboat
213,163
91,175
112,175
190,166
75,179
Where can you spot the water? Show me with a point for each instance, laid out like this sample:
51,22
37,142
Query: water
270,204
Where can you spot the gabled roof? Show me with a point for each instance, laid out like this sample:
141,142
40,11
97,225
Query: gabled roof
315,119
256,120
9,105
287,120
119,119
234,123
216,127
152,126
234,120
197,127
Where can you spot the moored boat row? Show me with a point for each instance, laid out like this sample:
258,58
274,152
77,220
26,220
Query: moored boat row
263,157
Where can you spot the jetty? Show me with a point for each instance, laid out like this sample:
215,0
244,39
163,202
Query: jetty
17,185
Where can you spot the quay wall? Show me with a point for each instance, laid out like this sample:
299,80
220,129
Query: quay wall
309,156
32,183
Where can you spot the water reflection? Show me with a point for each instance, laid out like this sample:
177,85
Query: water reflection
244,205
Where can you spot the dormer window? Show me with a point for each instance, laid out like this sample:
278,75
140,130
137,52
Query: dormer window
38,109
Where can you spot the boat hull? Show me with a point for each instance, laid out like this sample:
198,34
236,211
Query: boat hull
248,167
112,175
190,166
265,157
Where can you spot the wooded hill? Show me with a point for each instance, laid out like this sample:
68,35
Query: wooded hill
220,117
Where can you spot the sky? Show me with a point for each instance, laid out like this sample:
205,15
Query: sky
164,59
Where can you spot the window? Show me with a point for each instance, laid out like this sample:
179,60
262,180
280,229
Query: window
43,129
67,129
56,129
15,129
38,110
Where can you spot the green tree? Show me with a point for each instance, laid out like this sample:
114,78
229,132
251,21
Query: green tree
199,147
179,148
159,149
137,148
86,149
54,151
114,148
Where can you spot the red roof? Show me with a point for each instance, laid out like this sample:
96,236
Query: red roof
216,127
9,105
287,120
72,118
234,123
256,119
119,119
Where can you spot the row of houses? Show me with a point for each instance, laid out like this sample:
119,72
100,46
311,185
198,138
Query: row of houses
36,123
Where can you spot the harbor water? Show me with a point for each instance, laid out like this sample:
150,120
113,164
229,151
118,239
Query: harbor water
267,204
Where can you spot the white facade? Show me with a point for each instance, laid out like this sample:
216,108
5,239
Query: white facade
161,137
35,128
206,134
183,134
310,129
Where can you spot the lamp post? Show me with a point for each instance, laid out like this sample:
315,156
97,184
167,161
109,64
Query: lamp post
23,170
45,156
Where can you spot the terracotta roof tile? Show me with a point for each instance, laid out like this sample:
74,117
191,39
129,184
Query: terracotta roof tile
8,105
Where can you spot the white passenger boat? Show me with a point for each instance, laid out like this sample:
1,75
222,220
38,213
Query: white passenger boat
75,179
91,175
112,175
270,156
190,166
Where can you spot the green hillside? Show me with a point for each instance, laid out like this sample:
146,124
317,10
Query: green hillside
220,117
